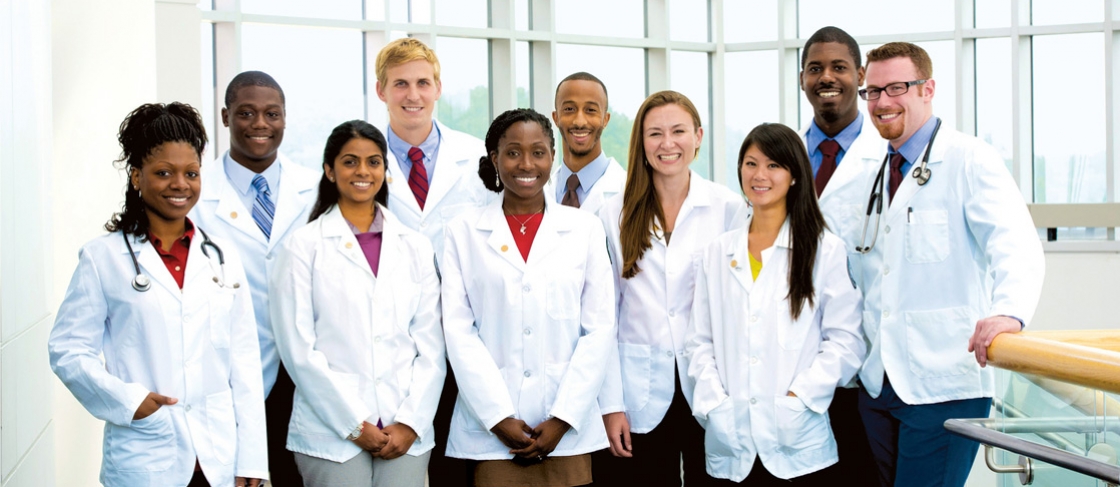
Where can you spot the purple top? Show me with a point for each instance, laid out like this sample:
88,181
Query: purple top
371,240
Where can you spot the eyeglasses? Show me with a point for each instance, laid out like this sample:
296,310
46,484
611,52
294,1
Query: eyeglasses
893,89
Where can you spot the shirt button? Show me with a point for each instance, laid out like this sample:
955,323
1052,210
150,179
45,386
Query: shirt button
754,401
527,288
527,373
528,331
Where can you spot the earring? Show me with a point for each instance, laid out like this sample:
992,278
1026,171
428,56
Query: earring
497,180
793,182
330,179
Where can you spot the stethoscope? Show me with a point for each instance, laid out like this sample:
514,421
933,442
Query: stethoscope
142,283
875,203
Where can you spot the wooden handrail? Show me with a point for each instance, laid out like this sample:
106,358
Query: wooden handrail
1045,355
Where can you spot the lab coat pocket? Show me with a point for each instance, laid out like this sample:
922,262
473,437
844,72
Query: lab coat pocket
222,425
720,437
221,307
792,333
147,445
927,236
937,342
635,365
799,428
554,374
564,290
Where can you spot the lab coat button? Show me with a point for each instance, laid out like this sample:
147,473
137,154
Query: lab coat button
527,288
187,408
669,353
754,360
528,331
886,313
754,319
377,382
377,339
754,401
672,314
527,373
886,270
888,229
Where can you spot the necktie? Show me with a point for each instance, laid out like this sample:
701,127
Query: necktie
263,208
418,176
829,148
571,198
896,171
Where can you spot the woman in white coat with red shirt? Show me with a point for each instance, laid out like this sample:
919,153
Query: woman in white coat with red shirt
355,310
170,362
775,326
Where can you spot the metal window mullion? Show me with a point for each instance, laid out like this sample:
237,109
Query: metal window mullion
227,63
788,66
503,59
1112,71
718,133
658,74
966,68
542,55
1022,108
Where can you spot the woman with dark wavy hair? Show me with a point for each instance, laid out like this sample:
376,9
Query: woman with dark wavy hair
775,326
528,317
355,310
170,362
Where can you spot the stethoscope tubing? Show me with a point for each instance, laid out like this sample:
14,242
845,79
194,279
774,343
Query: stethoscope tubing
142,283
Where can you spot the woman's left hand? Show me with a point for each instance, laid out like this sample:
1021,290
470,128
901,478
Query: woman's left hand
244,482
545,438
401,438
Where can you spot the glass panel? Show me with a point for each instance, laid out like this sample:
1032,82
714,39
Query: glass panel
1069,132
521,15
206,5
398,11
750,21
375,9
206,36
872,17
688,20
320,71
462,13
464,104
521,52
1053,12
993,95
617,18
750,73
623,71
992,13
420,12
321,9
690,76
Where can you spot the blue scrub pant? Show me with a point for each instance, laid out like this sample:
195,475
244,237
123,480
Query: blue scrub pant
910,444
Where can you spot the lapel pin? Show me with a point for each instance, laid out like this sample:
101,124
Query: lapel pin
505,248
233,214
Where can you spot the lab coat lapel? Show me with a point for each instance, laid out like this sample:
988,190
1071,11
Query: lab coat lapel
230,208
151,264
198,265
453,160
390,245
737,258
335,226
398,185
900,204
493,219
289,203
606,187
548,234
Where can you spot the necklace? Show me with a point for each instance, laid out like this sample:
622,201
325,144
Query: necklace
527,220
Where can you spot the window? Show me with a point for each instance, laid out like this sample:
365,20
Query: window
465,102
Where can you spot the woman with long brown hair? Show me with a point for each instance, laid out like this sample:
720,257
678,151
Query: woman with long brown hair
666,214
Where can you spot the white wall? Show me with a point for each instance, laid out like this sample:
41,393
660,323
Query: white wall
104,66
26,433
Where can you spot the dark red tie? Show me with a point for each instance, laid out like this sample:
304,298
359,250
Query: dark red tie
418,176
829,148
896,171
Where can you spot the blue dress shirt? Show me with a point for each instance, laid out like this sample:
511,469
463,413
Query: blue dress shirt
587,177
915,147
845,138
400,149
241,178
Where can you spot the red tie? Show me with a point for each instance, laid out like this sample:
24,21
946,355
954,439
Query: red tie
829,148
896,171
418,176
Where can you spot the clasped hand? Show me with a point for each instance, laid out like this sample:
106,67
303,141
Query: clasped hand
527,442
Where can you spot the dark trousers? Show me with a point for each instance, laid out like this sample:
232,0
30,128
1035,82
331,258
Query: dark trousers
444,471
856,465
277,412
910,444
658,455
198,480
760,477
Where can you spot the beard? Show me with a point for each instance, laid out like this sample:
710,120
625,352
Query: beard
830,115
891,130
593,139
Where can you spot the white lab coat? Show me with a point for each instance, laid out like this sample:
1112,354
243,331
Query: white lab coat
747,352
222,213
527,340
612,182
455,187
844,200
358,348
654,306
197,345
963,247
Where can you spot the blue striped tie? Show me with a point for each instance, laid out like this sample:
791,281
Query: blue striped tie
263,208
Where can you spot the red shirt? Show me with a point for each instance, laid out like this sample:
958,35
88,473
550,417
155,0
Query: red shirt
176,258
524,240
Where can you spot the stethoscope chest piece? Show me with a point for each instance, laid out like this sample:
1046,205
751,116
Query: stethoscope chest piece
141,283
921,174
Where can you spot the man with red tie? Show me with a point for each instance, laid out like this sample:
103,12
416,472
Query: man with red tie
831,74
432,173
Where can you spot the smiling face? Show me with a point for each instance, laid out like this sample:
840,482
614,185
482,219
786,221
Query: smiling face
898,117
358,172
168,181
830,81
671,139
256,126
523,161
581,115
765,182
410,93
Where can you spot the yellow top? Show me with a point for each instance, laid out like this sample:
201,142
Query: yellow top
756,266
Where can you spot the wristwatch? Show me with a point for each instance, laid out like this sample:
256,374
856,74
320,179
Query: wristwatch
357,433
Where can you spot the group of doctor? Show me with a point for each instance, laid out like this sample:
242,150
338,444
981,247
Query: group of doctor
602,324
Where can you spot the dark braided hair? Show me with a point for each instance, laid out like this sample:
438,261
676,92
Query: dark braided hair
486,169
146,128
